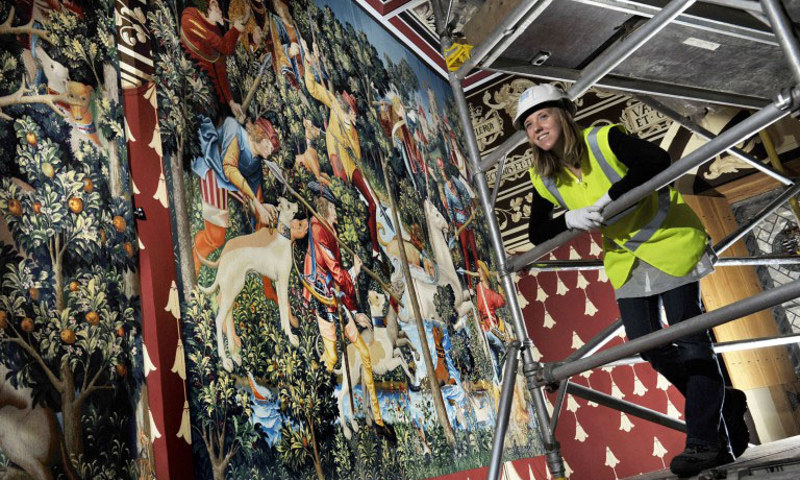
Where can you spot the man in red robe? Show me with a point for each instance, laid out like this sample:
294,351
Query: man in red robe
493,327
205,43
323,267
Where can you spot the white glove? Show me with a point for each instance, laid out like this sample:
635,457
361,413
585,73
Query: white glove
586,218
603,201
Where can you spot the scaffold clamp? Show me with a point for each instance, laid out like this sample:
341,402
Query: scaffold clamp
456,55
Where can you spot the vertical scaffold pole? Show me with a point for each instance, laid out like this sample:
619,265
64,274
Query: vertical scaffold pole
531,368
784,32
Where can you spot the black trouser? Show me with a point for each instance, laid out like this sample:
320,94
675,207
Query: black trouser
688,363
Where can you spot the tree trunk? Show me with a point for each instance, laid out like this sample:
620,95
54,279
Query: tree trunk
218,470
317,461
58,273
185,244
111,91
70,410
436,391
115,186
218,461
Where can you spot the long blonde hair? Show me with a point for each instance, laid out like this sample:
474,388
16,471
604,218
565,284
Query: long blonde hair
547,163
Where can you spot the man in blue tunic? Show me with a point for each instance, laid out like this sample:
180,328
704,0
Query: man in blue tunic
231,165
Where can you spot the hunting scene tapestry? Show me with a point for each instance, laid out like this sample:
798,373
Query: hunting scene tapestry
70,341
346,321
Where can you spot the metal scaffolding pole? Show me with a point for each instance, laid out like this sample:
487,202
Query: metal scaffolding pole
552,373
612,57
724,347
740,232
782,27
702,23
530,366
761,119
630,85
517,20
572,265
597,342
702,132
623,406
747,5
504,410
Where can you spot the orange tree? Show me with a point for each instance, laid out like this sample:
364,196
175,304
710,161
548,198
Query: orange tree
69,327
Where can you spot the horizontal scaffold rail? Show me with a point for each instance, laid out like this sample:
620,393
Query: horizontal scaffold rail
725,347
588,264
552,373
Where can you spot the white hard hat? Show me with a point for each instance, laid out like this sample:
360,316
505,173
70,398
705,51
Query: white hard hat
536,96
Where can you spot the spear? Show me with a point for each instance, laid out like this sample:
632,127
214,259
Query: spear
266,59
344,350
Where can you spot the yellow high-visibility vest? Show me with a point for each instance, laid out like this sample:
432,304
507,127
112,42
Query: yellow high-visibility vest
661,229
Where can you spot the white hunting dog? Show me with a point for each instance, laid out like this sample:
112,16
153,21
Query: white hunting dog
267,252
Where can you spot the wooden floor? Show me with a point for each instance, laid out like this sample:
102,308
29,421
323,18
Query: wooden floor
779,460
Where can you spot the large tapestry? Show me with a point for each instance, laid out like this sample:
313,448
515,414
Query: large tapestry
70,336
346,321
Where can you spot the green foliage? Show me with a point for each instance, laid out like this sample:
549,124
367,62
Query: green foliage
221,420
483,367
410,206
183,89
109,118
352,225
444,300
305,392
68,208
405,80
72,331
83,46
114,460
342,459
10,72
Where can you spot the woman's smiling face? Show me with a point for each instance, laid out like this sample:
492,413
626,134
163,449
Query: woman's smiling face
543,128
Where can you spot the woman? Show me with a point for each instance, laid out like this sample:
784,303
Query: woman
654,255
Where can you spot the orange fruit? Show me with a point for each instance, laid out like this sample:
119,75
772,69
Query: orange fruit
119,223
3,319
68,336
14,207
128,248
75,205
92,318
74,286
88,186
34,293
103,236
30,137
27,324
37,207
120,331
122,370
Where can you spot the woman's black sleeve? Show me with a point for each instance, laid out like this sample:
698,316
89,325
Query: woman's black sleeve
542,225
643,159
